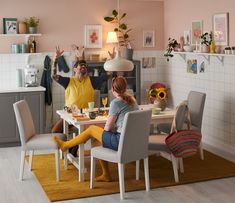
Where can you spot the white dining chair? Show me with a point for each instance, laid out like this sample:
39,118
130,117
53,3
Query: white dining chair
133,145
30,141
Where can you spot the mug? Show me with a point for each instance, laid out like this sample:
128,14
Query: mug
91,105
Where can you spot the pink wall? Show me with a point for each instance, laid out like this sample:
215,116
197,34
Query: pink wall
62,21
179,14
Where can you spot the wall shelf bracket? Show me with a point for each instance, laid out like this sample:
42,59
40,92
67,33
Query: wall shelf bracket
183,56
221,59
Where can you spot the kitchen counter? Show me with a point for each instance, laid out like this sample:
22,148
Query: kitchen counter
23,89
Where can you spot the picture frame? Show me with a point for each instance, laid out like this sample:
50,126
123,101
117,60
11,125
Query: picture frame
9,25
93,36
148,62
196,31
148,38
220,23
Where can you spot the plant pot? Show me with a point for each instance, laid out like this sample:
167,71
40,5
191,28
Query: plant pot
22,28
128,54
205,48
160,104
32,30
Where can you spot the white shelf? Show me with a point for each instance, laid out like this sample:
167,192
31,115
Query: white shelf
20,35
206,56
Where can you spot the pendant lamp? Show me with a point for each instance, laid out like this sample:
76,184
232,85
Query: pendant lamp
118,63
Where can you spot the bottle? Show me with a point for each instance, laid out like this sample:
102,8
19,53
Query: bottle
34,45
30,46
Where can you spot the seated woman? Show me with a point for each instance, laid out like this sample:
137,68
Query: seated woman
110,135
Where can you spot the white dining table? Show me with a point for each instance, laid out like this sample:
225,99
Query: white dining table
165,116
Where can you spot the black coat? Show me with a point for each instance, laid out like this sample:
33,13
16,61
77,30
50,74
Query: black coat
46,80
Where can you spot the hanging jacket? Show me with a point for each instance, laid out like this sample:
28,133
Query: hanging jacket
46,80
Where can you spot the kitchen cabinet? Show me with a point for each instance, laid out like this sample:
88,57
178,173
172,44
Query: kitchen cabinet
9,134
133,78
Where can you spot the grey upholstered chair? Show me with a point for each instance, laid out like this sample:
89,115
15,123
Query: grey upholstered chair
31,141
133,146
196,103
157,142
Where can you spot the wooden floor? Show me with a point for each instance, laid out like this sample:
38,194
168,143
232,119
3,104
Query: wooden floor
30,191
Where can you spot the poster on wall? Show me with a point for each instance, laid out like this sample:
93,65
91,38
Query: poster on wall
149,62
220,28
148,38
93,36
192,66
196,31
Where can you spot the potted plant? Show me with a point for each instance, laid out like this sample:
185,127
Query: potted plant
122,31
205,42
211,43
172,44
32,23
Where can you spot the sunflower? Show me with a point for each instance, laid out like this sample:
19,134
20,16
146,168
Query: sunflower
161,93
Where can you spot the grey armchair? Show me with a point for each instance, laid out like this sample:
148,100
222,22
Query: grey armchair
133,146
31,141
196,103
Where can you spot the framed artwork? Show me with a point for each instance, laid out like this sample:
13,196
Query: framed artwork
93,36
148,38
196,32
220,28
192,66
148,62
9,25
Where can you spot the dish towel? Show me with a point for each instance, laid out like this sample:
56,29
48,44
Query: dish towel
62,64
46,80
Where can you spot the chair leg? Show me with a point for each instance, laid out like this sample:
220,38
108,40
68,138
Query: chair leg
57,164
181,165
92,172
146,173
121,180
65,160
137,170
201,151
23,153
30,159
175,168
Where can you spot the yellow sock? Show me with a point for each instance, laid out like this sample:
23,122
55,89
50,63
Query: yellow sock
60,143
105,177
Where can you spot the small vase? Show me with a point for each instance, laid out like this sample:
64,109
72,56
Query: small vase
212,47
160,104
205,48
32,30
22,28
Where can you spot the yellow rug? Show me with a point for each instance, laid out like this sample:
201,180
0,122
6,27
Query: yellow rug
161,175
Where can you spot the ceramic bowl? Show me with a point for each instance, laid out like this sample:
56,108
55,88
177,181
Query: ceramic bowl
188,48
156,110
92,115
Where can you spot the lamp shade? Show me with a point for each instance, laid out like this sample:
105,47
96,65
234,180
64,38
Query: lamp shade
118,64
112,37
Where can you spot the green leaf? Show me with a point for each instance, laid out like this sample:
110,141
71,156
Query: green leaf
115,13
123,15
126,36
108,18
123,26
115,29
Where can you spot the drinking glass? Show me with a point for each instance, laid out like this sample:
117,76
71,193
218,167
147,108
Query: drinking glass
104,101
